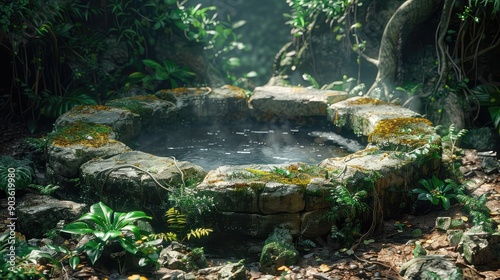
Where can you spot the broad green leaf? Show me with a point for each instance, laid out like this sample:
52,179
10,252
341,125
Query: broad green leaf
128,245
77,228
446,202
108,235
151,63
104,212
74,261
136,76
437,183
495,115
135,230
59,249
94,250
96,218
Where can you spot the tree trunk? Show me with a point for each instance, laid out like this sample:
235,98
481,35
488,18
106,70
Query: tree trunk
408,16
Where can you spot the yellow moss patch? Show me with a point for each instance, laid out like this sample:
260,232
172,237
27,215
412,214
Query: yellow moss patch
149,97
88,109
366,100
295,175
241,92
401,127
184,91
93,135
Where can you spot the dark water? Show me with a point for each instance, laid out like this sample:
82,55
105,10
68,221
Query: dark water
213,145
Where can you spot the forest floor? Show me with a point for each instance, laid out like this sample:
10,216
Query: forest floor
390,246
393,245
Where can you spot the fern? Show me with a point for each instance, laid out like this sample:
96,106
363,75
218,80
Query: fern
349,205
175,219
473,203
18,175
305,243
167,236
177,222
476,208
54,105
199,232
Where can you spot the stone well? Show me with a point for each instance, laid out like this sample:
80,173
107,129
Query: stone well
402,148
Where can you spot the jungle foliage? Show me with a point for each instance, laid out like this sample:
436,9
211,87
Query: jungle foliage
65,53
466,38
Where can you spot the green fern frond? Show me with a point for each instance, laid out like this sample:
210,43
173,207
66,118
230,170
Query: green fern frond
56,105
473,203
199,232
175,219
167,236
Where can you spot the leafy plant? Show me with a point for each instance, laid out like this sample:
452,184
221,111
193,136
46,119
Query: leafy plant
14,174
48,189
347,208
63,53
168,74
107,227
476,207
282,171
55,105
190,203
177,223
437,191
18,260
489,96
452,137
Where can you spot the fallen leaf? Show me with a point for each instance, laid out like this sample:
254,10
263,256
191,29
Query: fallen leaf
283,267
324,268
136,277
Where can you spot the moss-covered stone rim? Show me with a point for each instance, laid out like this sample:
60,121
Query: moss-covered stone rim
93,135
400,127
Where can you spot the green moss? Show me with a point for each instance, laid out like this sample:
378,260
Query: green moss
340,121
94,135
135,104
294,174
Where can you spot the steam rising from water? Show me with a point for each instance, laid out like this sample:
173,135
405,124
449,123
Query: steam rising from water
213,145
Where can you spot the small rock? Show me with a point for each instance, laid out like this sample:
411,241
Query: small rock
232,271
443,223
431,267
321,276
353,266
362,274
454,236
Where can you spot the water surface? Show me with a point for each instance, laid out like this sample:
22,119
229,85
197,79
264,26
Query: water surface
211,145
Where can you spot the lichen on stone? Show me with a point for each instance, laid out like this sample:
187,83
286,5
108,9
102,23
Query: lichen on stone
89,109
294,174
241,92
366,101
185,91
399,127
